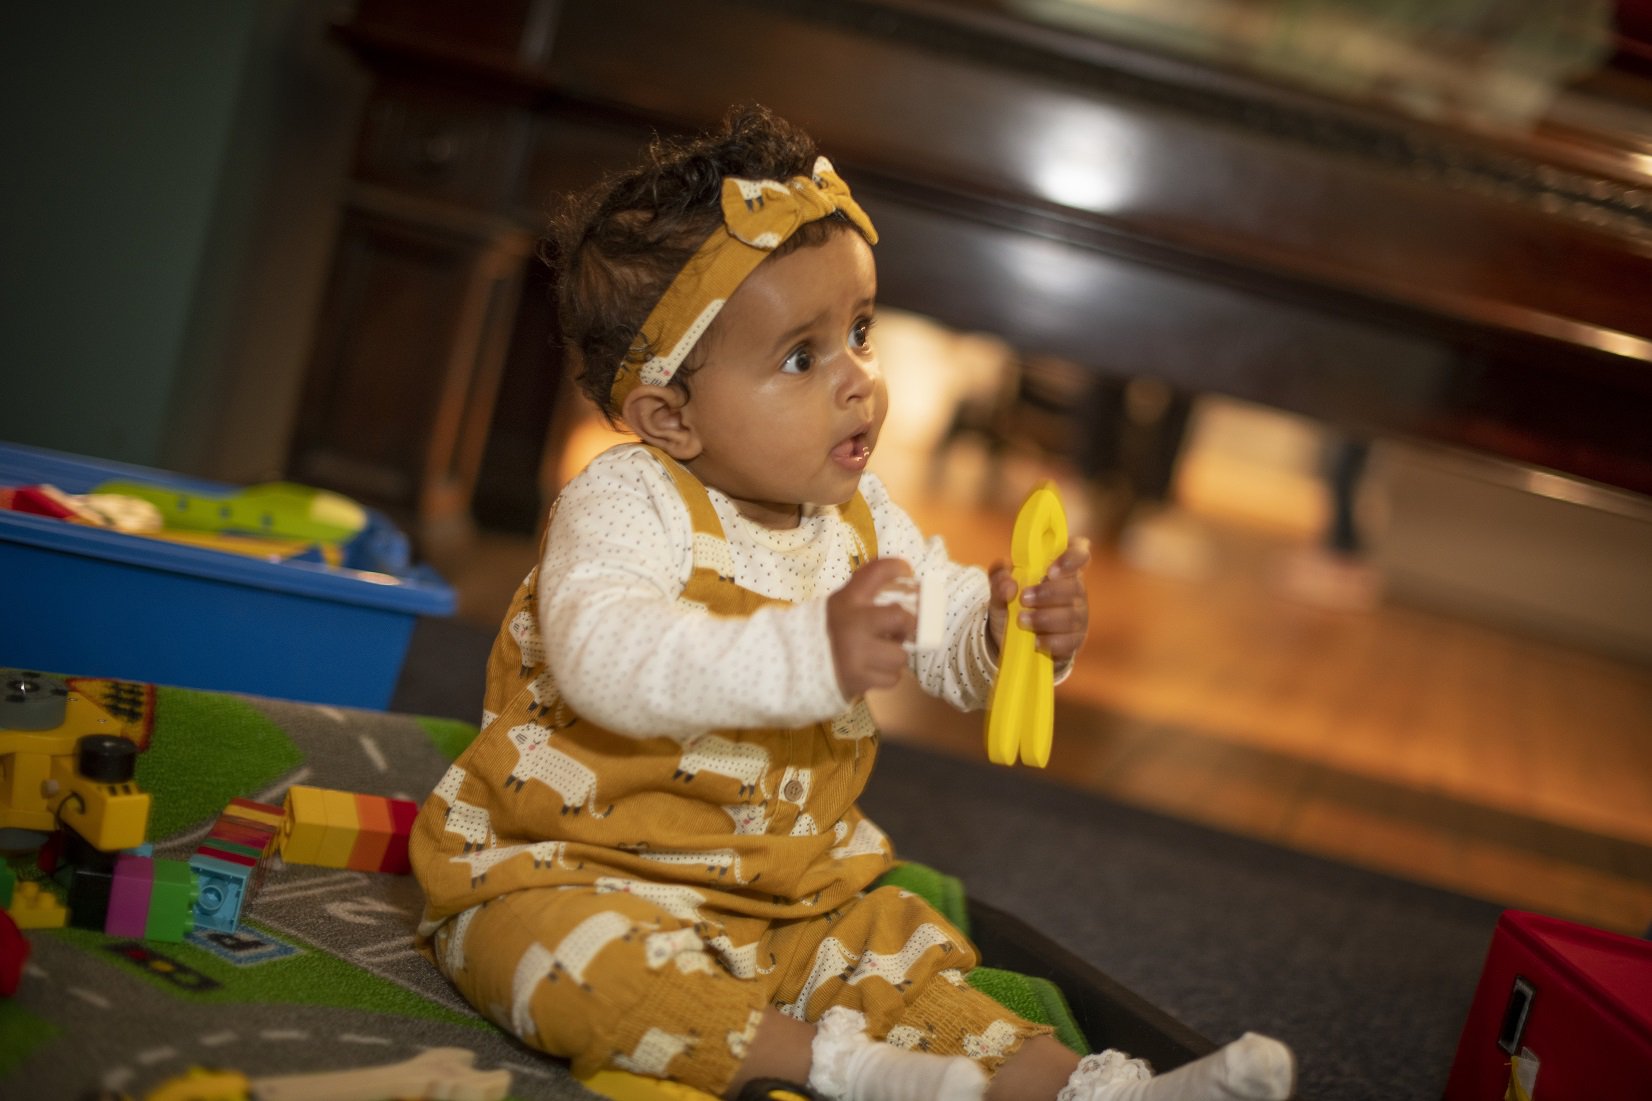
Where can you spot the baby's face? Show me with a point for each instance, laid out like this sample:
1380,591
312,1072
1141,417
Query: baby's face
789,400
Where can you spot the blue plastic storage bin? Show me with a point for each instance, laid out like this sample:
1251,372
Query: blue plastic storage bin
86,601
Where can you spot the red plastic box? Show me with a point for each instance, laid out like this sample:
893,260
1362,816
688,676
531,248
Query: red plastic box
1575,1001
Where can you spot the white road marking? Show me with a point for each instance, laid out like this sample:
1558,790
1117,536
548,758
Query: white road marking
360,911
281,892
528,1069
371,747
91,996
116,1079
385,950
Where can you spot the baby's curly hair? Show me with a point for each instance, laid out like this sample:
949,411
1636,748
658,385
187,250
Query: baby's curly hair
617,246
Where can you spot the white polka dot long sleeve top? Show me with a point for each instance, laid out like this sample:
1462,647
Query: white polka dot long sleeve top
628,655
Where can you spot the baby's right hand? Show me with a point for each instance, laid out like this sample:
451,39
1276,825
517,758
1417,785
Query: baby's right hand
868,637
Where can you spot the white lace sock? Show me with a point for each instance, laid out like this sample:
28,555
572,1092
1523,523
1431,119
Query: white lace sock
1252,1068
849,1065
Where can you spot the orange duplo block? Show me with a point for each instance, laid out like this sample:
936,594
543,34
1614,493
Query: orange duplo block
303,825
342,825
373,834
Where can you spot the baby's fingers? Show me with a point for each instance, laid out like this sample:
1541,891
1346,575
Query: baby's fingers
1001,583
867,582
1058,619
1054,592
1072,560
891,621
1061,646
1060,630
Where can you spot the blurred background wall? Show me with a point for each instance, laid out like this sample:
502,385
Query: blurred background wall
170,198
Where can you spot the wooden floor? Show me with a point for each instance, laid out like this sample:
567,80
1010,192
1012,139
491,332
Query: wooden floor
1397,739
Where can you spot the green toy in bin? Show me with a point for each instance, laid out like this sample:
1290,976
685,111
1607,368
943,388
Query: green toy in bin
276,509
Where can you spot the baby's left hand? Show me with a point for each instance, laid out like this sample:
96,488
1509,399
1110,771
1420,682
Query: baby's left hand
1055,610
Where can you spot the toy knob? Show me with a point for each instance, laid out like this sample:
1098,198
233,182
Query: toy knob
106,758
212,899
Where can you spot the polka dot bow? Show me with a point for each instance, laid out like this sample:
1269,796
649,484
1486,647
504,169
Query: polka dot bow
757,216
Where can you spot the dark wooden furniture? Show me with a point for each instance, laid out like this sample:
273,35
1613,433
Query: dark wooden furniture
1130,212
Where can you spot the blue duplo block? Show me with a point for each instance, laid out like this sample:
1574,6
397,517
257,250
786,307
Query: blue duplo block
223,890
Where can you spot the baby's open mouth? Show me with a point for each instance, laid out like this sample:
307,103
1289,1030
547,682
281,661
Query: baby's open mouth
855,450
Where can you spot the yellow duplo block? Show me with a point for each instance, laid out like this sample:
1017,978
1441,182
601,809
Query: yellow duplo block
36,907
200,1084
374,833
303,824
621,1085
342,826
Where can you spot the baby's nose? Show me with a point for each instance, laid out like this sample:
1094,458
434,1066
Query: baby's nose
860,377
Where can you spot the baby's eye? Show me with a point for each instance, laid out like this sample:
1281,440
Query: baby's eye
860,337
798,362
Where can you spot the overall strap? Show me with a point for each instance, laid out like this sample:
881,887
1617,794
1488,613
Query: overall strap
858,515
701,514
711,582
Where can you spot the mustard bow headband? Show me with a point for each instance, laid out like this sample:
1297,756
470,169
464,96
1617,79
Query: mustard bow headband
757,216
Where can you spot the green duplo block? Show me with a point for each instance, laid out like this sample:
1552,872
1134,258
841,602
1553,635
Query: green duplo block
172,901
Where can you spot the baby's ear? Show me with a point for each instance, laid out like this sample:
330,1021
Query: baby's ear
655,414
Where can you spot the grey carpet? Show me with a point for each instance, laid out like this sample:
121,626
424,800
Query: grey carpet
1369,978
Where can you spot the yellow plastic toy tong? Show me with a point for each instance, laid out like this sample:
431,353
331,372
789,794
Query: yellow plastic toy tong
1021,716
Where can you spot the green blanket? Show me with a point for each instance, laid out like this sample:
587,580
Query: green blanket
321,973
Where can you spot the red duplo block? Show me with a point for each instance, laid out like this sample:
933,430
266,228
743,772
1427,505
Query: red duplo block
47,858
402,813
242,833
14,953
207,848
1577,1000
129,897
262,819
242,807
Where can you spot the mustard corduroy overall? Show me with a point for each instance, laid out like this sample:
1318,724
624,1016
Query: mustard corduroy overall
638,902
